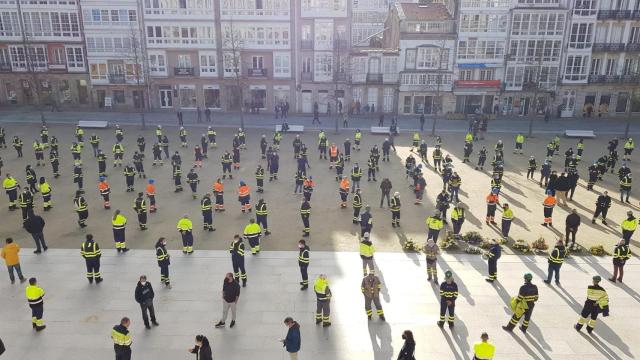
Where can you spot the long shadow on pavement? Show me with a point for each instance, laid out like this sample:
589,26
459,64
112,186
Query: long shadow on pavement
462,288
380,335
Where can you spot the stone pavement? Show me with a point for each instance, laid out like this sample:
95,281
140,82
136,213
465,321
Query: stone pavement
79,316
506,124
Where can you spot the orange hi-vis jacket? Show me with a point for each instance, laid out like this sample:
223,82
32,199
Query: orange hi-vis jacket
549,202
492,199
243,191
218,187
103,186
333,151
151,189
308,182
344,185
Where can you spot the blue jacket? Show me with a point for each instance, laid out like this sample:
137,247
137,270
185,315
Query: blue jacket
293,341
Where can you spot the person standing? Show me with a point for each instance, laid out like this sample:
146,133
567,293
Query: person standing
494,253
597,302
202,349
293,341
409,346
144,296
603,203
35,298
236,249
507,219
434,225
207,213
370,287
457,218
303,263
523,305
366,254
91,254
140,207
628,226
621,254
185,227
448,296
119,223
385,190
81,208
34,225
492,202
45,190
10,185
163,257
230,296
305,214
431,251
483,349
548,204
218,192
122,339
572,223
395,210
252,233
261,216
366,221
11,258
357,205
323,298
556,258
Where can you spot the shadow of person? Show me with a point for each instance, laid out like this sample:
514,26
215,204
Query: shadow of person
540,354
380,336
383,286
461,335
512,189
402,239
606,333
534,332
602,348
599,269
513,201
468,216
452,345
462,288
529,262
520,223
630,291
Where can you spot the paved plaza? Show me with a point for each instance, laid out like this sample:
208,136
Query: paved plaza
79,316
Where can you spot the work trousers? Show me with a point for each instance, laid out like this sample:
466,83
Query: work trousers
383,196
262,221
367,263
39,239
554,268
93,268
18,270
444,308
187,241
147,307
239,272
323,311
225,310
376,302
164,273
304,274
527,317
493,268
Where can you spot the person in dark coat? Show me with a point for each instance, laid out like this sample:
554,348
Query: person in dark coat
572,222
561,186
144,296
34,224
202,348
293,341
409,347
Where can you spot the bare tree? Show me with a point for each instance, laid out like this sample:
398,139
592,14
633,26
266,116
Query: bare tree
136,55
34,82
437,105
233,45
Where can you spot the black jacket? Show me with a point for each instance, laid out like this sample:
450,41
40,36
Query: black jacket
562,184
406,353
34,224
202,353
230,290
572,220
144,293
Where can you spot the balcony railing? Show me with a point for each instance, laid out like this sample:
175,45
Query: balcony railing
635,47
585,12
631,79
608,47
604,79
373,78
306,44
340,76
614,14
306,76
183,71
5,67
636,15
57,66
117,79
257,72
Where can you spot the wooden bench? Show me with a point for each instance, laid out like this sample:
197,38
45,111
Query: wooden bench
384,130
292,128
93,124
579,134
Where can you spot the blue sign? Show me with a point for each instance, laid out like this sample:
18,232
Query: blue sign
471,66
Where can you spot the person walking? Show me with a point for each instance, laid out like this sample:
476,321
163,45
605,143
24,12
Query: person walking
11,258
548,204
621,254
303,263
35,298
185,227
523,305
119,223
236,249
571,223
293,341
323,299
603,203
507,219
230,296
91,253
434,225
34,224
163,258
122,339
556,258
448,296
370,287
409,347
483,349
597,303
628,227
144,296
366,221
202,349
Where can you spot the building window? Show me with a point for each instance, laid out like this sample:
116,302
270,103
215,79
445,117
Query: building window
465,75
612,67
208,64
157,64
187,95
576,67
323,66
38,57
98,71
387,99
631,66
306,65
9,25
4,57
57,56
184,61
581,36
595,66
18,58
537,24
118,96
432,58
231,64
257,62
75,58
483,23
211,98
281,65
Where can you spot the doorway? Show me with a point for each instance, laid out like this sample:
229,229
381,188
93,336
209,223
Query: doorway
307,101
166,98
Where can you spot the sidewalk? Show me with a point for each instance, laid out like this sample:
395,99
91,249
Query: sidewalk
515,124
79,316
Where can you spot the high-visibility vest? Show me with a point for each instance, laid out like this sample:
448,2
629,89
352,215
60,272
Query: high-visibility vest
34,294
119,222
185,225
507,214
151,189
484,350
218,187
549,202
344,184
243,191
630,224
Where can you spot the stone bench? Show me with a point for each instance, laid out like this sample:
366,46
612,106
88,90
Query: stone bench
384,130
93,124
580,134
292,128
